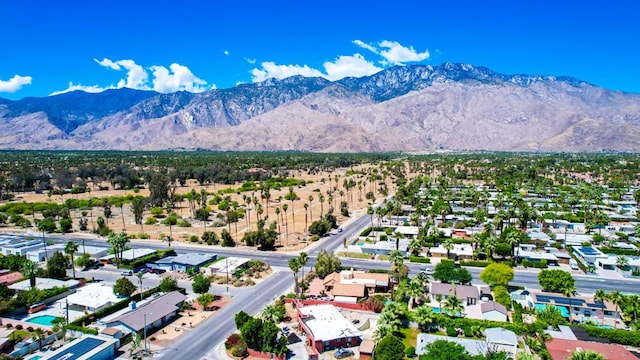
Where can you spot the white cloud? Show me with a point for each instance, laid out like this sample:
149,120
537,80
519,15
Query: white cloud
85,88
269,69
394,53
177,77
365,46
344,66
349,65
250,61
226,52
14,84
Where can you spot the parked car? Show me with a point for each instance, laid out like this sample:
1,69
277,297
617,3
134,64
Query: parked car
427,271
157,271
126,273
342,353
142,270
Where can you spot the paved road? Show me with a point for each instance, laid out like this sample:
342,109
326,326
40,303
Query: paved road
201,342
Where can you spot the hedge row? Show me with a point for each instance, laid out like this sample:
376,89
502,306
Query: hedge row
159,254
81,329
617,336
475,263
369,229
445,321
616,251
419,259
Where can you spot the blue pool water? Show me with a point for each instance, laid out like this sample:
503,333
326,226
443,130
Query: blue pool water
46,320
563,310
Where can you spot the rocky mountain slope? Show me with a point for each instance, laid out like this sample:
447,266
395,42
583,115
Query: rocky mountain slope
412,108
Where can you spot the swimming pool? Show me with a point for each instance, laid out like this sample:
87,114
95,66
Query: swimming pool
46,320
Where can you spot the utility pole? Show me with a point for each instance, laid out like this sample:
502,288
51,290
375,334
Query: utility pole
226,261
145,333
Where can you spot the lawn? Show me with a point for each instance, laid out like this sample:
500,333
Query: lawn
409,336
355,255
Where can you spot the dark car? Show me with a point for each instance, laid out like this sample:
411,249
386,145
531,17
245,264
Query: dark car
157,271
342,353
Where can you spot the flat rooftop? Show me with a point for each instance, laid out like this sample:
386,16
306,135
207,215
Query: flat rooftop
327,323
43,284
81,349
93,296
131,254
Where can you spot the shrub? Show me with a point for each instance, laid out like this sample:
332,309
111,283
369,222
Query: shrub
143,236
193,238
410,352
151,221
419,259
452,332
183,223
19,327
475,263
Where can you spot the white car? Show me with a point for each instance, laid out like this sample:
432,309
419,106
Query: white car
427,271
126,273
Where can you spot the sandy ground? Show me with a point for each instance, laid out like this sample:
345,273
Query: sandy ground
292,227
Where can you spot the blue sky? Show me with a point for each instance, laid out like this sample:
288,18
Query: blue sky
55,46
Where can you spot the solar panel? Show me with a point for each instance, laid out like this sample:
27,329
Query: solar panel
78,350
596,305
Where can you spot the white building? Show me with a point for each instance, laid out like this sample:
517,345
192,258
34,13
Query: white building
492,310
92,298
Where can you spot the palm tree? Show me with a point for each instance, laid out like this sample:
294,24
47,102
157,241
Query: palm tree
622,262
71,248
600,296
453,305
286,222
30,270
568,292
321,198
303,258
448,244
279,222
140,275
383,329
271,313
205,300
390,319
118,243
415,290
586,355
512,236
423,315
306,226
42,227
439,299
616,298
397,260
38,335
294,265
292,196
415,246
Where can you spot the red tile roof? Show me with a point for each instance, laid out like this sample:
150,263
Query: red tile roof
561,349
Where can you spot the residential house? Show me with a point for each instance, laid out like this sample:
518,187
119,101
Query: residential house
492,310
561,349
92,298
473,347
459,252
151,315
184,262
326,328
386,247
369,282
501,340
86,347
228,266
469,294
579,307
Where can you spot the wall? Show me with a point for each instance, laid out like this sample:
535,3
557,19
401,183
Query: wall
263,355
334,303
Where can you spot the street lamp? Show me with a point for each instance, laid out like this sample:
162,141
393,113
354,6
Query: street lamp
145,332
226,261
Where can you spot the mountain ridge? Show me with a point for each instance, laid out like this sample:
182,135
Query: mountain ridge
403,108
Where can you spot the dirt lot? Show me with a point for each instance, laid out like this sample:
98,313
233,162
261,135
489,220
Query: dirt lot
292,223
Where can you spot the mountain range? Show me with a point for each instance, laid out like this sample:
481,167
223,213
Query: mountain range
404,108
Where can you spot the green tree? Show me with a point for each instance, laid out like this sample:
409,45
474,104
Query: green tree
251,332
497,274
327,263
201,284
241,318
124,287
446,272
30,270
168,284
118,243
57,266
71,248
138,204
389,348
227,240
550,316
424,316
586,355
555,280
158,189
294,265
39,335
273,312
445,350
453,305
205,300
